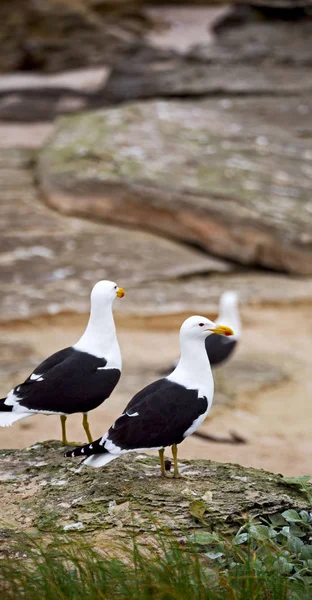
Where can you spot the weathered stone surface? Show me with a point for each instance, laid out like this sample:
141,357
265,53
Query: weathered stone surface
165,51
55,260
232,176
26,97
248,56
47,492
48,262
60,34
200,295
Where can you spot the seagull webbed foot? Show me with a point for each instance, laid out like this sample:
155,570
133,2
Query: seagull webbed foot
67,443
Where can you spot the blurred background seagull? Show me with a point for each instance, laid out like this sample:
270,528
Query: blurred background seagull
219,349
78,378
167,411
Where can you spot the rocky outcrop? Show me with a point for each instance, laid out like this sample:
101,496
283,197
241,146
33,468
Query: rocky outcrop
147,54
56,260
49,494
249,55
232,177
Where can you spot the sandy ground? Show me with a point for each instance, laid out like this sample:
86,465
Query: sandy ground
276,420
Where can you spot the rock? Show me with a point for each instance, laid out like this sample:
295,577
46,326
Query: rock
150,55
48,494
29,98
231,176
24,135
248,56
79,80
39,105
147,54
200,295
56,260
58,34
49,262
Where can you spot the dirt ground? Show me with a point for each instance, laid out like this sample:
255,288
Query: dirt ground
274,416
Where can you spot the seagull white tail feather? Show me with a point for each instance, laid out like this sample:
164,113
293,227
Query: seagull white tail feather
99,460
8,418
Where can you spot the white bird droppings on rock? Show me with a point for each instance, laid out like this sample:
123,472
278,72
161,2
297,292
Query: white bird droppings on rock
71,526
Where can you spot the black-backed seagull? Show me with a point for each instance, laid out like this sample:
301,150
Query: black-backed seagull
76,379
167,411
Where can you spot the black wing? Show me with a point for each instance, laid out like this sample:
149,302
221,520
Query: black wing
55,359
68,381
157,416
219,348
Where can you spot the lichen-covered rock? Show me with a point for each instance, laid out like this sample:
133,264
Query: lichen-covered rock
56,260
232,176
43,492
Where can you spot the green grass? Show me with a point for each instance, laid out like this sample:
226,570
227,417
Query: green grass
265,560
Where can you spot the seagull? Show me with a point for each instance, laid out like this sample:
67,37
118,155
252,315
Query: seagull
167,411
78,378
221,348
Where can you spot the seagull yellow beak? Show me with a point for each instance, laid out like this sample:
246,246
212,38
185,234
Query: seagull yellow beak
222,330
120,292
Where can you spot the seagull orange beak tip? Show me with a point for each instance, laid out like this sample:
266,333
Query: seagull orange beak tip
223,330
120,292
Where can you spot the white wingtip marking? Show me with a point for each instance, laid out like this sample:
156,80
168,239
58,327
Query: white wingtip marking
35,377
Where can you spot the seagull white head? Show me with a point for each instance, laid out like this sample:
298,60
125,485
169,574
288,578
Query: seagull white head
193,369
198,327
228,300
105,292
229,312
99,337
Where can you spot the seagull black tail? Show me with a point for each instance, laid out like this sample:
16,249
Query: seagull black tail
87,450
5,407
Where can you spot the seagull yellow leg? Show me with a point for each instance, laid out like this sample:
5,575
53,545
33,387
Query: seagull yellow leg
63,423
176,473
65,441
162,464
86,427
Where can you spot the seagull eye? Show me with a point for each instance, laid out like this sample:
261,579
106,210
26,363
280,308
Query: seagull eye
201,324
115,287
